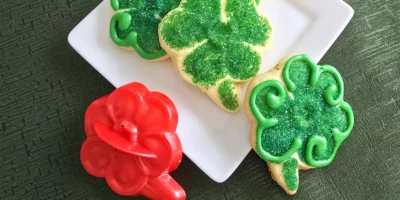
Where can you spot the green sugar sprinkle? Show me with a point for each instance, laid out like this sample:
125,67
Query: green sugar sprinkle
305,115
146,16
289,170
225,47
207,65
229,99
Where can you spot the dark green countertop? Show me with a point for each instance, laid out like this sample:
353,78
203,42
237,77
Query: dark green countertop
45,87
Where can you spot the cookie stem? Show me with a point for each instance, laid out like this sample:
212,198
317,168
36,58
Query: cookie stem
290,173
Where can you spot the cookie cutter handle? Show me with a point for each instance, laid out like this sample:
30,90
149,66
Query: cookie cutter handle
163,188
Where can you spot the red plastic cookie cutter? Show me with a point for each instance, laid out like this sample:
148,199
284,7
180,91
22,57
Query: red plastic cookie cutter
132,142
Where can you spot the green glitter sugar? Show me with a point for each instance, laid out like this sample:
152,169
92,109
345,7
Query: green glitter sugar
289,170
142,18
224,47
305,114
229,99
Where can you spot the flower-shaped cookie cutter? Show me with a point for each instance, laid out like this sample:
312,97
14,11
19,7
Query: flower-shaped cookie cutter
132,143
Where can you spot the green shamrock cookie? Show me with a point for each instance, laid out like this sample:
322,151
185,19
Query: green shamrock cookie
216,45
135,25
299,118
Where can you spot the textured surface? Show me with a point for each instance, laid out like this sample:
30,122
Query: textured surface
45,88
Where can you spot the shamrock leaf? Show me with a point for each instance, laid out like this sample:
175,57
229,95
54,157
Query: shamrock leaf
216,45
135,25
304,117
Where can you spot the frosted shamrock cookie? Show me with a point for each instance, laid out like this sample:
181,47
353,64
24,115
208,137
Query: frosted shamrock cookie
299,118
135,25
216,45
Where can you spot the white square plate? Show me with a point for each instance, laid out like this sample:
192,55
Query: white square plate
217,142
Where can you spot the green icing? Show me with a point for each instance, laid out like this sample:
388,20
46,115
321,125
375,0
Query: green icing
224,48
124,4
289,171
138,26
313,122
229,99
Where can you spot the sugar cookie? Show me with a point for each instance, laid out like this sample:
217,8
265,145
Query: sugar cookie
135,25
216,45
299,118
